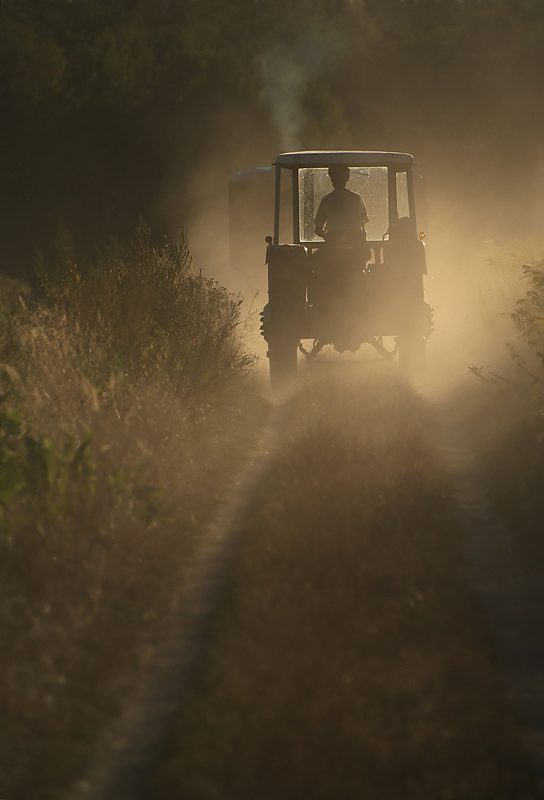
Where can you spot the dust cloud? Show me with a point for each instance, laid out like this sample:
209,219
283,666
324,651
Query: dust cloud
483,176
474,272
473,286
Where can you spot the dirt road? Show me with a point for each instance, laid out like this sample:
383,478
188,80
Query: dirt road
346,650
509,585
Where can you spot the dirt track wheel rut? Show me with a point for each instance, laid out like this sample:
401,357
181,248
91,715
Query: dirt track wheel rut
129,750
511,590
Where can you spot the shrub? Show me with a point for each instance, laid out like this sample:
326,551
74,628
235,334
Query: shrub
120,418
527,353
144,312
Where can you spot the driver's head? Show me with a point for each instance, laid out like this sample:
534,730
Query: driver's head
339,175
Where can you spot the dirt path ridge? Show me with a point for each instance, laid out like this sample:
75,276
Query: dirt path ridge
128,750
512,593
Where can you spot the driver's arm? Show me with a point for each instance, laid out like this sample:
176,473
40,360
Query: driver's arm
320,231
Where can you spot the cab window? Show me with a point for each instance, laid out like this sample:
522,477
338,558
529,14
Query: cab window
403,206
369,182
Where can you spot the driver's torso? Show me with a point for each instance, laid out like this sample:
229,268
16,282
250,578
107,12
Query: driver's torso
342,209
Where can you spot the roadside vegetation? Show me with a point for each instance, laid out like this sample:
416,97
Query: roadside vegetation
508,416
126,402
349,658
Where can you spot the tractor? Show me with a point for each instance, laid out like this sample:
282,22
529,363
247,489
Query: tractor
348,286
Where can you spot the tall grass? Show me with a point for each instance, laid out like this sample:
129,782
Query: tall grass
143,312
121,385
528,319
508,424
523,372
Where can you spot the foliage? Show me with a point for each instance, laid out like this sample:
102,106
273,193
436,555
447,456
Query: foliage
527,353
33,465
99,339
508,421
33,66
102,99
142,312
44,484
528,317
127,56
123,386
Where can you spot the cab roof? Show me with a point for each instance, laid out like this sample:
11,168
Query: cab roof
353,158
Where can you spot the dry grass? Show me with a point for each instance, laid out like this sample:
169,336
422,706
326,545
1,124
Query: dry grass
349,658
506,426
126,406
506,411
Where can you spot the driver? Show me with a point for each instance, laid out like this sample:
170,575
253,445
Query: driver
342,209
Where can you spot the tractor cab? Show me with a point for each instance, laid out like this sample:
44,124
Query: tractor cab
350,285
